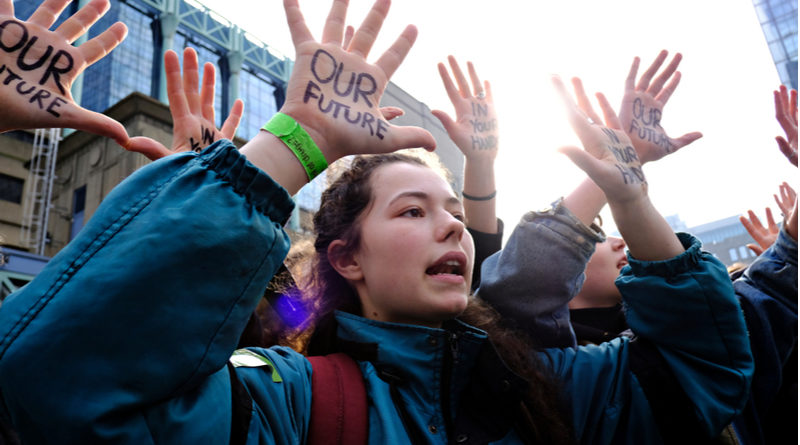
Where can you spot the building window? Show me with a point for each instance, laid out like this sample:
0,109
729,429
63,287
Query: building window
11,188
743,251
78,208
732,253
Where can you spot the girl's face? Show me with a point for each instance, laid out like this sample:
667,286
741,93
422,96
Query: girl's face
601,272
414,264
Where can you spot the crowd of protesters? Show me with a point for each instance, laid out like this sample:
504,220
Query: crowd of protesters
559,335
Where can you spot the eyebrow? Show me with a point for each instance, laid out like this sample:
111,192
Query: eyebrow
422,195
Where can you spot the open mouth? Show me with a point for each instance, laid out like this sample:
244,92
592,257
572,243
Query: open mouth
449,264
622,264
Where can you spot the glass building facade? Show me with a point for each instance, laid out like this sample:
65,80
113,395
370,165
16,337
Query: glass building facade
778,19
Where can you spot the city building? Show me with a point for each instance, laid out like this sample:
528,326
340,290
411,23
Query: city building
43,207
778,19
726,239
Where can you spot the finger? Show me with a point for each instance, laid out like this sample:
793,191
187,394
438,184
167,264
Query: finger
781,108
793,105
662,78
81,21
583,101
47,13
644,81
365,35
575,117
390,113
334,24
207,92
477,87
790,193
449,87
393,57
756,249
348,36
609,115
664,95
755,221
748,226
630,81
461,80
487,88
191,80
99,47
781,206
178,106
297,24
787,150
771,221
151,148
7,8
234,118
686,139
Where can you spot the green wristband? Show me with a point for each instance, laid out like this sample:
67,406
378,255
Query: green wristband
301,144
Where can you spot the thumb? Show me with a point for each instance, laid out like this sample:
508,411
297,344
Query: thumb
411,137
151,148
685,140
98,123
579,157
447,122
756,249
390,113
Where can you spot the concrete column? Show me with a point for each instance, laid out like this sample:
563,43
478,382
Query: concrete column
235,60
168,20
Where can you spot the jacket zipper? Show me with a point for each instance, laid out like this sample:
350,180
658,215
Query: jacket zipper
447,374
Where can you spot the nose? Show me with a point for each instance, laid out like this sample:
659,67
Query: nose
449,227
617,243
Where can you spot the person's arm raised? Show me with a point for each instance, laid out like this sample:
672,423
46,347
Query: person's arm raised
38,67
610,160
193,123
334,95
475,132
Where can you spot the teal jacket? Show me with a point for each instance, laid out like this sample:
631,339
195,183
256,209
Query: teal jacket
126,335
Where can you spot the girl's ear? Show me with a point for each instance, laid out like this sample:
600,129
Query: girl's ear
344,262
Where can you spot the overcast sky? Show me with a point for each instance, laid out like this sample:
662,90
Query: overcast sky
726,90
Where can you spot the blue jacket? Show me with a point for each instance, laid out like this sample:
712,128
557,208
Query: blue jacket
687,373
125,336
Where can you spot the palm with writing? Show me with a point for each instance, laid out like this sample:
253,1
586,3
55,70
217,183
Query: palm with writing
475,130
39,66
193,124
608,156
334,93
786,113
643,106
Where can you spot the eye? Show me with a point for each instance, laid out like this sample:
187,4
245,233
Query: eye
459,217
415,212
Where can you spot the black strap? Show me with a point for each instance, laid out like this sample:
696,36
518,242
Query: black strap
241,409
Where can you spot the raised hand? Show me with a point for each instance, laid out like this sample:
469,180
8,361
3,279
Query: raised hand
38,67
786,199
786,113
193,124
475,129
608,156
643,106
764,236
334,93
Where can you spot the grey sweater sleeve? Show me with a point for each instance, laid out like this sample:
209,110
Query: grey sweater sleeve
531,281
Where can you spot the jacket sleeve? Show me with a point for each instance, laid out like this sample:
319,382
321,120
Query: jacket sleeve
767,292
686,309
147,302
531,281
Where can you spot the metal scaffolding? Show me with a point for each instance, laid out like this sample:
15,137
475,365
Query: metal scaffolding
36,206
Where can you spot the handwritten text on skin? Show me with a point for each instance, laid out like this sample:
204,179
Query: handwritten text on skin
15,39
352,88
646,125
625,155
481,125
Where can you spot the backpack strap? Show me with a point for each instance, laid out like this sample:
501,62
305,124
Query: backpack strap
338,401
